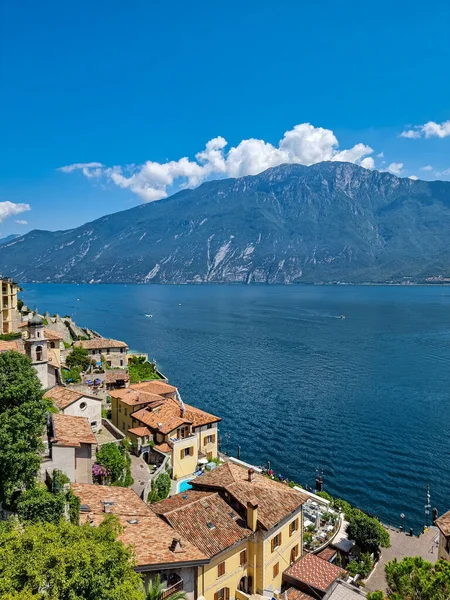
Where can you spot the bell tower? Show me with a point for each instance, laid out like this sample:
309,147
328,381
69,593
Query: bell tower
36,348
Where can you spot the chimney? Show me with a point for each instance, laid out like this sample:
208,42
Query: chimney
251,474
252,515
107,507
176,545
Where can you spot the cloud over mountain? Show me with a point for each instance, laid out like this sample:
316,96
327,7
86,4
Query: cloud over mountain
428,130
304,144
10,209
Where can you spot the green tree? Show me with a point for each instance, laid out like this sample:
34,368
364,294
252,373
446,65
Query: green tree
37,504
379,595
160,488
414,578
79,357
367,532
22,423
66,562
155,590
361,567
117,461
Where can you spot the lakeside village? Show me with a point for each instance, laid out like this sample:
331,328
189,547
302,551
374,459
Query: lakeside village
110,451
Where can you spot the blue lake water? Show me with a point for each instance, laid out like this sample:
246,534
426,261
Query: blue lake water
365,399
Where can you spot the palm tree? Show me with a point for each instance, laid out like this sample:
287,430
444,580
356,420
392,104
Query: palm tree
155,591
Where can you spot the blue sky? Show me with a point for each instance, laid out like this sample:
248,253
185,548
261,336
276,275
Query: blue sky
129,86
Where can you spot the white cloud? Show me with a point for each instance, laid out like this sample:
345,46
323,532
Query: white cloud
9,209
91,169
368,163
413,177
380,155
304,144
426,168
427,130
395,168
21,222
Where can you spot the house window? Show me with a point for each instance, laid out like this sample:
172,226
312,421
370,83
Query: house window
223,594
276,542
52,344
39,353
108,362
243,558
187,452
209,426
121,362
221,569
123,426
83,405
120,408
125,412
209,439
108,351
294,553
293,527
276,570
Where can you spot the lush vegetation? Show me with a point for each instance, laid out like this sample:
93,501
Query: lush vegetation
79,357
7,337
368,533
72,375
46,561
160,488
141,370
115,463
361,567
156,588
414,578
22,423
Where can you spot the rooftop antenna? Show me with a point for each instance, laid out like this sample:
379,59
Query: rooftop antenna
427,508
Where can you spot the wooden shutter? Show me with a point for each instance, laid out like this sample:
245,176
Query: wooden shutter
226,593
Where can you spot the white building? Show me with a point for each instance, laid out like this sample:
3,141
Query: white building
78,404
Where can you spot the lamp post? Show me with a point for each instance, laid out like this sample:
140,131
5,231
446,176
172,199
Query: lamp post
402,526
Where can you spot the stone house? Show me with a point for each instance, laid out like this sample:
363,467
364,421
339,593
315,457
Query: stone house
71,447
114,352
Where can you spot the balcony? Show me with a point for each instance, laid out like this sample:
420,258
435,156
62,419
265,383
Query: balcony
173,584
175,440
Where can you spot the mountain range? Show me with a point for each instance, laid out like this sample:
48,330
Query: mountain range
330,222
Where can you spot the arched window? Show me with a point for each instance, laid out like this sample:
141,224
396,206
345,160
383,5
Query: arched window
39,353
38,333
52,344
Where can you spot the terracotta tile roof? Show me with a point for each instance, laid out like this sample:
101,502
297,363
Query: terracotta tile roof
133,397
164,419
204,519
164,447
117,375
275,500
100,344
62,396
15,345
154,387
327,553
49,334
140,431
314,571
151,537
293,594
71,431
444,523
124,500
199,417
52,358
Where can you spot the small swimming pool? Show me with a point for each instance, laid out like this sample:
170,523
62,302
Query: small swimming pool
183,486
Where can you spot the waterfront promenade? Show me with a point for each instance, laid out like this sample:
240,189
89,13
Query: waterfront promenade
402,544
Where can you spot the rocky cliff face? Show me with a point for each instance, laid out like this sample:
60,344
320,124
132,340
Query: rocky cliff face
328,222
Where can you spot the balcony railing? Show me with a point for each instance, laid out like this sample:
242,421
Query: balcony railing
176,440
176,587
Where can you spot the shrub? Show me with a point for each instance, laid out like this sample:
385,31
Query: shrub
160,488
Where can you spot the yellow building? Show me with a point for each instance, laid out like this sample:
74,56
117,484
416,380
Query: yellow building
155,418
443,523
9,315
249,526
